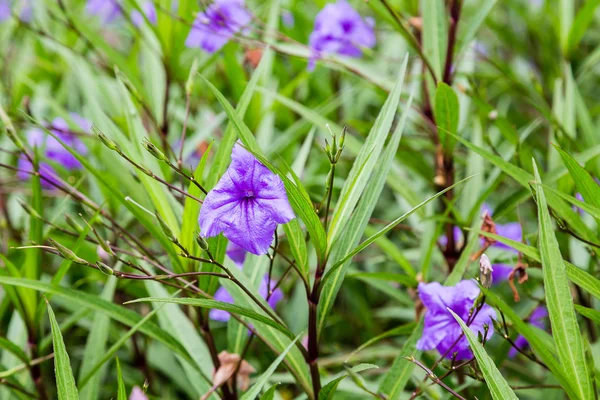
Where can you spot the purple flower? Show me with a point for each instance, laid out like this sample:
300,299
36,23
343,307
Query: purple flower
237,254
511,230
441,331
106,10
458,236
223,295
288,19
26,10
4,10
54,150
500,272
137,394
339,29
214,27
246,204
148,8
46,171
537,318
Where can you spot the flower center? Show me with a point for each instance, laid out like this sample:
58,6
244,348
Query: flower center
249,194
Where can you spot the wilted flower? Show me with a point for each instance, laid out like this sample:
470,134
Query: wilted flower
339,29
441,331
148,8
106,10
537,319
137,394
214,27
223,295
510,230
246,204
485,271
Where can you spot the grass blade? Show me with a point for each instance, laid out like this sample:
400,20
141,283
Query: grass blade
65,382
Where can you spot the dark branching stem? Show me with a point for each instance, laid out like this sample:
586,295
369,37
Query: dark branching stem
455,8
430,375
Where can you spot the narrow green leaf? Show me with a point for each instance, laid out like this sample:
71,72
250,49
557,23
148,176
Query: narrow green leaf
328,391
254,391
218,305
584,182
121,394
559,301
295,238
434,34
588,313
494,380
7,345
65,382
584,17
446,114
399,373
270,393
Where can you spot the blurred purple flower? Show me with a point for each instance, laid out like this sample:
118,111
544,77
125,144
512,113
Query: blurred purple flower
458,237
537,318
441,330
339,29
246,204
214,27
106,10
500,272
148,8
223,295
4,10
53,149
511,230
48,174
237,254
137,394
288,19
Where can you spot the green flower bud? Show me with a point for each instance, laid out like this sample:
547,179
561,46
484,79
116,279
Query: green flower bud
202,243
105,140
12,135
30,210
67,253
165,228
105,268
73,224
154,151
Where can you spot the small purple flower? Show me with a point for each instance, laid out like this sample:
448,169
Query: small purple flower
214,27
54,150
511,230
537,318
106,10
137,394
500,273
246,204
458,237
339,29
26,10
288,19
223,295
148,8
237,254
441,330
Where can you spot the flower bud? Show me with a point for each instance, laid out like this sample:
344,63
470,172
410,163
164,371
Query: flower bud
14,138
154,151
105,139
485,271
73,224
202,243
165,228
67,253
104,268
30,210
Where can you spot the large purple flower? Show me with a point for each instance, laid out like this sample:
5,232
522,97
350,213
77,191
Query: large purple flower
106,10
223,295
149,11
214,27
537,318
441,331
339,29
246,205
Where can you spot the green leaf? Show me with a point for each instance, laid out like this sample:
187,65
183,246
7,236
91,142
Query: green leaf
559,301
295,238
494,380
7,345
398,331
471,22
446,114
254,391
65,382
328,391
121,394
399,373
270,393
434,34
218,305
584,182
366,161
116,312
582,21
588,313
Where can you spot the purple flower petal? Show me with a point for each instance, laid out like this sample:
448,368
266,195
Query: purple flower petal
237,254
148,8
500,272
106,10
48,174
214,27
511,230
537,319
137,394
246,204
5,11
441,331
219,315
339,29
